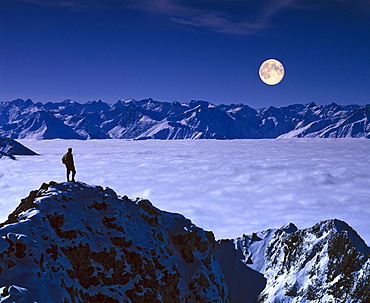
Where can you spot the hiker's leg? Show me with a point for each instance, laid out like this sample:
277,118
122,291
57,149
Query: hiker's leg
73,175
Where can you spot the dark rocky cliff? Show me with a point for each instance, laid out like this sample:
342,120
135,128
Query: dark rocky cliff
73,242
70,242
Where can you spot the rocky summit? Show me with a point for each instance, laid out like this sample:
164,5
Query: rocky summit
74,242
70,242
328,262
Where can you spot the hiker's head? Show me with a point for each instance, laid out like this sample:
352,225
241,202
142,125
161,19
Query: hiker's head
70,149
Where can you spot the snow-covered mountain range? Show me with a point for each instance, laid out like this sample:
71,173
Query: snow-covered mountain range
73,242
148,119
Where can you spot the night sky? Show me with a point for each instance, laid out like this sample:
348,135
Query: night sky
168,50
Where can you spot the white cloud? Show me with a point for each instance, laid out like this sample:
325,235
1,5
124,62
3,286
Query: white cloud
229,187
237,17
224,21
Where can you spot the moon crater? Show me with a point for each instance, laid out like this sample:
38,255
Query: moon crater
271,71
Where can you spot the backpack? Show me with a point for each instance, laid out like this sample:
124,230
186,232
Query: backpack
64,159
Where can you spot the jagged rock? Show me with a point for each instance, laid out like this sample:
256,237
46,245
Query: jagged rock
71,242
328,262
11,148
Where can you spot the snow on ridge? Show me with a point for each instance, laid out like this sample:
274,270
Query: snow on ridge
311,264
11,148
234,121
84,243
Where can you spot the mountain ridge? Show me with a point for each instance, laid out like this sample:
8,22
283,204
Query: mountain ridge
10,148
150,119
74,242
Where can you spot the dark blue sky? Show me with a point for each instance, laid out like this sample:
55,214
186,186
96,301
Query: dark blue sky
168,50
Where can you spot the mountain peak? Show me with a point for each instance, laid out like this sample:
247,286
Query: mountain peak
84,243
148,118
321,263
75,242
342,229
69,102
11,148
289,228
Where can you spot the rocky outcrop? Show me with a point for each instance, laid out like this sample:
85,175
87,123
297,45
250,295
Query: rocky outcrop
11,148
73,242
328,262
70,242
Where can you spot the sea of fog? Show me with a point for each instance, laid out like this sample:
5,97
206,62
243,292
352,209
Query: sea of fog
230,187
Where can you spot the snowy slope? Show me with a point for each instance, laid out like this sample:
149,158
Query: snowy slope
73,242
150,119
11,148
39,125
328,262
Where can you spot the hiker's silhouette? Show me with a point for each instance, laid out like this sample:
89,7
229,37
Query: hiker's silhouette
70,165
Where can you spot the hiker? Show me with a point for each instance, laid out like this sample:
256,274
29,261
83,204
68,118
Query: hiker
69,163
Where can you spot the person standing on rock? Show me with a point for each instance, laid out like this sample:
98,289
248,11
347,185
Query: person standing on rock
70,165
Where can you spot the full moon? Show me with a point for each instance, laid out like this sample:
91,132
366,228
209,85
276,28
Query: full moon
271,72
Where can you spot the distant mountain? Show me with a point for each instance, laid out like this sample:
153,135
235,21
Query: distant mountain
73,242
11,148
149,119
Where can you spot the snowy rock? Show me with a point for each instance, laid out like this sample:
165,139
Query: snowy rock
71,242
39,125
11,148
150,119
328,262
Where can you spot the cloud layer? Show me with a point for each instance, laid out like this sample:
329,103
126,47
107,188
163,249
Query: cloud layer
230,187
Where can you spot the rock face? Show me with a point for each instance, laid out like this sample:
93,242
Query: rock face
149,119
11,148
70,242
73,242
328,262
